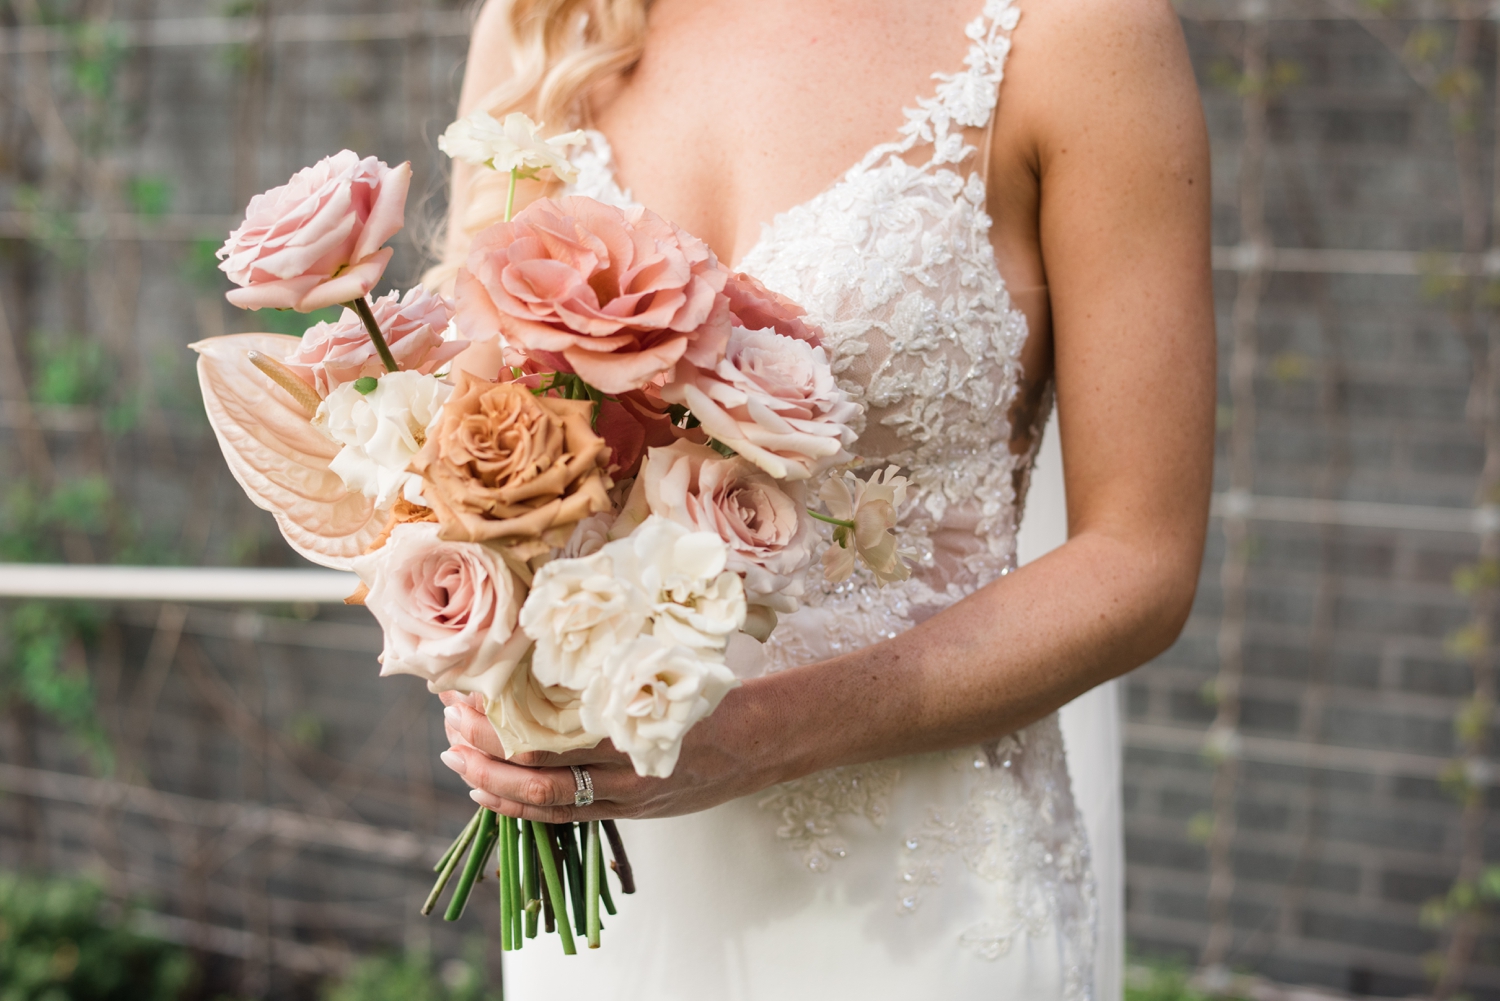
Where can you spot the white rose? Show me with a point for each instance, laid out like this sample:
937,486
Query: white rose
448,610
579,610
381,431
695,600
531,716
514,144
649,695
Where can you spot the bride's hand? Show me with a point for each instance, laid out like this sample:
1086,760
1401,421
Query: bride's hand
723,757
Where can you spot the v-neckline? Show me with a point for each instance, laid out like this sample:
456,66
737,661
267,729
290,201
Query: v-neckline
607,149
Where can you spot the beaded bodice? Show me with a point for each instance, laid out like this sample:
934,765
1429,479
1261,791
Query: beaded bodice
894,262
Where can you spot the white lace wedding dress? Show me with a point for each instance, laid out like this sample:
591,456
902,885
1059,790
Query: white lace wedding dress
957,876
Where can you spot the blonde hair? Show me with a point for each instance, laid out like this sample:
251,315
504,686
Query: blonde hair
560,50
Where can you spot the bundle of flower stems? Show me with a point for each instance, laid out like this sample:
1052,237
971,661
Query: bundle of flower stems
542,869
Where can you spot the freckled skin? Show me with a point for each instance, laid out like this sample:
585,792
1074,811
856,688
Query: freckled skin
1097,179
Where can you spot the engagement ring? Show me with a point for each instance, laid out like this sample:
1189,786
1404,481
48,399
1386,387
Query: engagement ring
585,794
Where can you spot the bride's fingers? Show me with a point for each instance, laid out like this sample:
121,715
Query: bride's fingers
544,789
461,720
466,725
548,815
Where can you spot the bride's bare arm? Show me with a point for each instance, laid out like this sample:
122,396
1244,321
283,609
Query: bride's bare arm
1116,134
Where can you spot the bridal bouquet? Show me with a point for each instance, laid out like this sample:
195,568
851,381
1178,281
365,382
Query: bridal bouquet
578,489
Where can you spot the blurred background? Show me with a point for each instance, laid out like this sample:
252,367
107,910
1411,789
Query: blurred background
209,801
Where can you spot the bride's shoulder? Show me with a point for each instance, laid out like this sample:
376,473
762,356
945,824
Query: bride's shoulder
1080,63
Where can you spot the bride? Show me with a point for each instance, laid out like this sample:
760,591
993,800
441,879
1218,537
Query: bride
888,811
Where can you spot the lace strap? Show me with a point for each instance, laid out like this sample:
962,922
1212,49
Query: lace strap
965,99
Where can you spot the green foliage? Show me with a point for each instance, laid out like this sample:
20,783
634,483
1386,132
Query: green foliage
61,941
412,978
200,266
68,369
42,664
1465,897
1159,981
150,195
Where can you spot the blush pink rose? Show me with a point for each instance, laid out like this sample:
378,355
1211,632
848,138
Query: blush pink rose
319,239
756,307
772,399
448,610
618,297
332,354
763,522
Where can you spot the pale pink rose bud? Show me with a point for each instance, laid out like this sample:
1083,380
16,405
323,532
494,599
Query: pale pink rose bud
319,239
773,399
332,354
618,297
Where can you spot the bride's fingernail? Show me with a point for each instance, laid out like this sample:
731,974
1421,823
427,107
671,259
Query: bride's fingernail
453,712
453,760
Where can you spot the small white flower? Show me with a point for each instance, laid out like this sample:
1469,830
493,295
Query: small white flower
381,431
649,695
514,144
872,506
578,611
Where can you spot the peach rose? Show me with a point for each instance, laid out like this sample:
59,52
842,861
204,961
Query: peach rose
331,354
618,297
772,399
502,464
448,610
319,239
756,307
763,522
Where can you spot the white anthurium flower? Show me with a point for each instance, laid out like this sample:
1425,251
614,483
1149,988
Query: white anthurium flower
280,459
649,695
514,144
381,431
871,507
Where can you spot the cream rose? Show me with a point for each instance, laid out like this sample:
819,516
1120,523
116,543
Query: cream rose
763,521
695,600
319,239
331,354
578,611
531,716
448,610
650,693
771,398
381,432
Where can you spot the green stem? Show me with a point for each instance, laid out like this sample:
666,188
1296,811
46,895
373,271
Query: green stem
554,883
462,839
510,196
574,862
454,854
592,865
362,307
484,840
832,521
529,890
513,878
609,901
507,943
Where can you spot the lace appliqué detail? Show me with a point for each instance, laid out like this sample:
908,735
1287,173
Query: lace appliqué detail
1020,833
809,808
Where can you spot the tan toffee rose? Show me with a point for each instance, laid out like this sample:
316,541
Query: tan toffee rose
503,465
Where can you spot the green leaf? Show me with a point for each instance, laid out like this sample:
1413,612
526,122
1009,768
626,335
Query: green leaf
365,385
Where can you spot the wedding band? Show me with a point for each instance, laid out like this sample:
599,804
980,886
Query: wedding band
585,794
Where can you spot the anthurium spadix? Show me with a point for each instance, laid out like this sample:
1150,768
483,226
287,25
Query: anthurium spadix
277,455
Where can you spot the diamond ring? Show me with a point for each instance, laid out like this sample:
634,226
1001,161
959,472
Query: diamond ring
585,794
